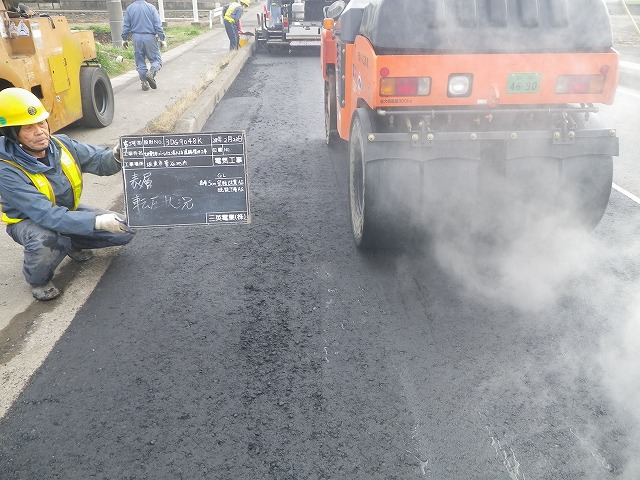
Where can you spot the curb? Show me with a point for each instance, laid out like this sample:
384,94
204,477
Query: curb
194,118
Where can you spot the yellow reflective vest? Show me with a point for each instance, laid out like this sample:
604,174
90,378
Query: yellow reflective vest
232,8
69,167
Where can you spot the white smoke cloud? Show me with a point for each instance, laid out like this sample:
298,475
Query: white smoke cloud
525,273
532,273
620,359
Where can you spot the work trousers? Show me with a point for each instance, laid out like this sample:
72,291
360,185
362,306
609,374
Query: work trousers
275,15
45,249
145,46
232,33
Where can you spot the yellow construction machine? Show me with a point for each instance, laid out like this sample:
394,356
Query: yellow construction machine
40,53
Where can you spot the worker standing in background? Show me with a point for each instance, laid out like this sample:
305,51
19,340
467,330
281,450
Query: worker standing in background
275,13
231,14
142,21
40,188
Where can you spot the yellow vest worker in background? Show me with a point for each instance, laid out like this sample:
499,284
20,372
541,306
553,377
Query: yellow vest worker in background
231,14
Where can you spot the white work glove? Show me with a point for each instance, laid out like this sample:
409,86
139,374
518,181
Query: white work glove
116,154
110,222
125,44
163,44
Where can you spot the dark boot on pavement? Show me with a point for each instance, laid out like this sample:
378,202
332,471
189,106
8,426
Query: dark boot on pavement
151,78
80,255
45,292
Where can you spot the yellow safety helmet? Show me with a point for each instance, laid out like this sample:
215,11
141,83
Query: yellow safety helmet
246,3
20,107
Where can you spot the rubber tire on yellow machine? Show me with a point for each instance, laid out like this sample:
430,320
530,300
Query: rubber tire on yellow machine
98,103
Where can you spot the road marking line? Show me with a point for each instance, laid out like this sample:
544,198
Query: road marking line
626,194
628,91
594,452
630,65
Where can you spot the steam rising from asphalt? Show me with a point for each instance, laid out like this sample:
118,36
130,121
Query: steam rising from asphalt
525,273
511,249
619,358
552,258
531,274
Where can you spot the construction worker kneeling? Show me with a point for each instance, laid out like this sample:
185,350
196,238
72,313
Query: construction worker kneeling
40,189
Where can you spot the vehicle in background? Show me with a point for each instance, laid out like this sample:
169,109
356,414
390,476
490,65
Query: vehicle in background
40,53
290,23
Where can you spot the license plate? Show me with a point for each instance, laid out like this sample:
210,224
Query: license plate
523,83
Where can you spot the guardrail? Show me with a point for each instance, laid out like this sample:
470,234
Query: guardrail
216,12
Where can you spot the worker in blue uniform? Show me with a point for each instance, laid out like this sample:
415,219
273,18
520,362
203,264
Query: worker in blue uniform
142,22
40,189
274,10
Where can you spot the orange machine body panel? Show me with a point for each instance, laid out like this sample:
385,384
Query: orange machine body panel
328,52
490,75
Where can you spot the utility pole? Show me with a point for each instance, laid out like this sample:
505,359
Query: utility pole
114,9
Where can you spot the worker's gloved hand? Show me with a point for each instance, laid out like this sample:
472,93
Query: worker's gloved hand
117,156
110,222
163,44
125,44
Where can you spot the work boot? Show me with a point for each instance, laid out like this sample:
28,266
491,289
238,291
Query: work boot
80,255
151,78
45,292
145,85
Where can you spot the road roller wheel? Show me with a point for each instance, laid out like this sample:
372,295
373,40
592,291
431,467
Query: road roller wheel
330,112
364,221
594,180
